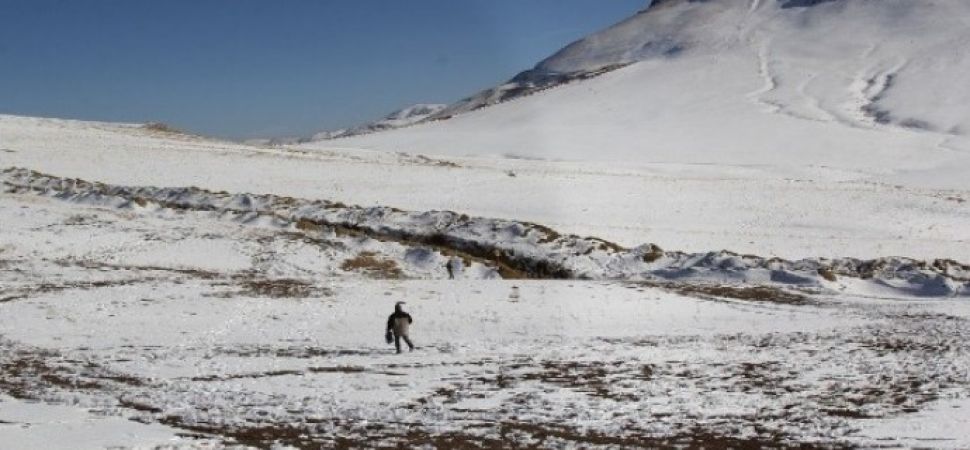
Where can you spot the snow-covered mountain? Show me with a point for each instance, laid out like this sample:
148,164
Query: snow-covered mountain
864,85
397,119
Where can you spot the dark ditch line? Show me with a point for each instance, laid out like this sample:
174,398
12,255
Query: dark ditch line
250,282
298,352
504,262
308,371
511,434
89,264
509,265
45,288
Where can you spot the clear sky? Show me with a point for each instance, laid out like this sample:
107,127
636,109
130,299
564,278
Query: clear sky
249,68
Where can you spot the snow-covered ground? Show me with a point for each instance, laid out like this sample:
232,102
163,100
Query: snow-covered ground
435,243
210,317
32,424
791,212
561,252
203,326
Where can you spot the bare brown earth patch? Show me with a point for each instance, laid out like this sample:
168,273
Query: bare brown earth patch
828,274
509,434
100,265
30,291
276,288
299,352
770,366
372,265
768,294
424,160
283,373
27,373
251,284
83,220
161,127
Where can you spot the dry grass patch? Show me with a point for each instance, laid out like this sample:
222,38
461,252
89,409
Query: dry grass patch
161,127
277,288
756,293
653,254
828,274
372,265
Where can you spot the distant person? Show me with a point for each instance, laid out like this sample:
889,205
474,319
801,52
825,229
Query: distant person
454,267
398,325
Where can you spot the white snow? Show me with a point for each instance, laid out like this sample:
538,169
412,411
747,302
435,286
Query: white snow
201,348
869,86
938,426
25,425
791,212
498,244
165,290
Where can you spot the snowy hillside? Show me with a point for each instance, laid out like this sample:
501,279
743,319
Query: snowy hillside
491,248
717,224
150,317
397,119
868,85
185,317
791,212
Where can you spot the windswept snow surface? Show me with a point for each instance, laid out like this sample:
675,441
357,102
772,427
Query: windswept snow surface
158,289
280,347
870,86
787,211
273,309
38,425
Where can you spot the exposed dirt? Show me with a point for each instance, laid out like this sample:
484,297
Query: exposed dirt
924,350
278,288
372,265
161,127
509,434
754,293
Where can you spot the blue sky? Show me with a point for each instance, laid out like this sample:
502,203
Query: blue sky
246,68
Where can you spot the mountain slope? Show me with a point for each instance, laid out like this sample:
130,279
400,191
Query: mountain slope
866,85
397,119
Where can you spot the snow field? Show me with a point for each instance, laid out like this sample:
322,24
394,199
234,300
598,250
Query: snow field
572,364
787,211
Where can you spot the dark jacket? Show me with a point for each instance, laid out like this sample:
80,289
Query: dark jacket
399,322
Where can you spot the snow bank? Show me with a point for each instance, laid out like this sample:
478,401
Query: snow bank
521,249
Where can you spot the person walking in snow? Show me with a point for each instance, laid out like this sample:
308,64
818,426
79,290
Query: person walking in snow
398,324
